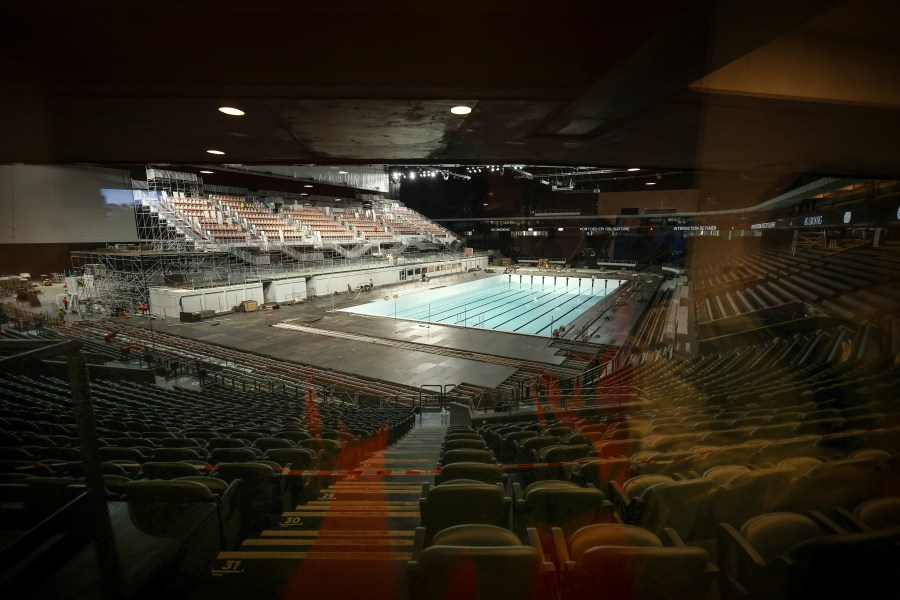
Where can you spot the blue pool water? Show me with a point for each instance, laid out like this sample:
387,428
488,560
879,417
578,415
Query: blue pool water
520,304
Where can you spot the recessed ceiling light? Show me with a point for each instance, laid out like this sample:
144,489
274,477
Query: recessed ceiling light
634,169
306,185
650,183
206,172
214,152
230,110
461,110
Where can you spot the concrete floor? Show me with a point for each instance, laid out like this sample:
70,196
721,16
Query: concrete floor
363,345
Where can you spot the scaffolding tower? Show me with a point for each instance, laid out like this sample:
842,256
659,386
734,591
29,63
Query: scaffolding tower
118,279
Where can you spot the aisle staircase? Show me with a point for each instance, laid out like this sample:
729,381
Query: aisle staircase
353,541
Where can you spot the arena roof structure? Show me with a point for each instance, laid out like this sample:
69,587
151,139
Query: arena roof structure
798,87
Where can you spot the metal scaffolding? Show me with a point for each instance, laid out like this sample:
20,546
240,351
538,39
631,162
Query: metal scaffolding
118,279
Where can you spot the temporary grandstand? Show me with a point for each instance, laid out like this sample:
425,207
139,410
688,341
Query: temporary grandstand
494,301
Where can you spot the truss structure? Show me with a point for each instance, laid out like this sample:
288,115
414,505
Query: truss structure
118,279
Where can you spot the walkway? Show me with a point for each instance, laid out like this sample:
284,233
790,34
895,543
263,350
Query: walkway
352,542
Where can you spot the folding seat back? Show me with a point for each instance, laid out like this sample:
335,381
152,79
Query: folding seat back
260,492
129,454
879,513
464,444
167,470
677,505
294,435
722,474
232,455
563,504
844,483
800,464
623,561
176,454
216,443
750,494
681,441
463,502
486,473
600,472
745,557
616,448
249,436
168,508
525,447
508,443
271,443
180,442
467,455
724,437
474,562
297,458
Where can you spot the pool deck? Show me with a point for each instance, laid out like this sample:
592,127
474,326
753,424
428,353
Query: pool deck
363,345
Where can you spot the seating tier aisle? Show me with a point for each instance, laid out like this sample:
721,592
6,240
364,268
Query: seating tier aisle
353,541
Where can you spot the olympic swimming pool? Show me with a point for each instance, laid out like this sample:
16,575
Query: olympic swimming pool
518,304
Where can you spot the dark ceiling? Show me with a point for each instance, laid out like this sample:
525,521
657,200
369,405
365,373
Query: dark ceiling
765,88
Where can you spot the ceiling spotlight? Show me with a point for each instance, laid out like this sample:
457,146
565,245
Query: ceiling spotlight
461,110
412,174
306,185
214,152
632,169
485,204
304,194
531,229
559,228
230,110
650,183
206,172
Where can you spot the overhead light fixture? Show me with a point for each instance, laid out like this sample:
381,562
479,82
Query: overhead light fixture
531,229
304,194
230,110
306,185
342,172
485,204
461,110
412,174
214,152
559,228
206,172
632,169
650,183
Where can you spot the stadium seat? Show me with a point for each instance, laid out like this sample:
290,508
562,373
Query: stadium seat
486,473
613,561
562,504
478,561
461,502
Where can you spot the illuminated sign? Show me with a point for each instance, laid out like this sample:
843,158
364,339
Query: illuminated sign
847,216
604,228
766,225
813,220
695,228
499,228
